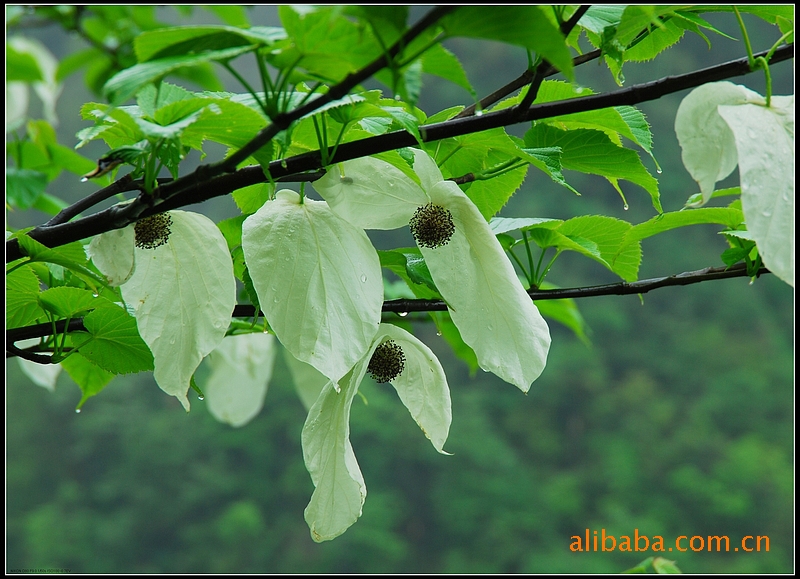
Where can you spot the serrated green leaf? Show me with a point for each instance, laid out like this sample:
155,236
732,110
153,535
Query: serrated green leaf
116,345
590,151
241,369
318,278
666,221
67,302
250,199
527,26
90,378
183,294
185,40
22,298
24,186
126,83
621,255
655,42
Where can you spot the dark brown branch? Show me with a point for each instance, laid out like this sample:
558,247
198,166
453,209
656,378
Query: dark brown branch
120,216
416,305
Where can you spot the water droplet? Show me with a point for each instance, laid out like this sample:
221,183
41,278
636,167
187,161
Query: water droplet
95,295
266,331
439,333
284,164
659,171
397,97
201,397
402,314
625,207
78,410
363,279
478,112
752,281
84,180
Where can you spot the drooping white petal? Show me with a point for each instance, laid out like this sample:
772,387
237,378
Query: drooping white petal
318,280
112,253
183,294
340,490
426,169
491,309
371,193
707,145
765,143
241,368
422,385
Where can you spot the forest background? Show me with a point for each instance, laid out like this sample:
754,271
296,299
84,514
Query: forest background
676,419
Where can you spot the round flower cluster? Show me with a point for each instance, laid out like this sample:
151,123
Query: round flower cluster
151,232
387,362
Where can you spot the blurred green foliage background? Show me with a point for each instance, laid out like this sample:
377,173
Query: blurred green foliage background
678,420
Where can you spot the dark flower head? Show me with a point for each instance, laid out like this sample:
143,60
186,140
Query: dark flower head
387,362
151,232
432,226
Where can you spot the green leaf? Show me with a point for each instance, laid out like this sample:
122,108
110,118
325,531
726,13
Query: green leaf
622,255
126,83
21,66
590,151
666,221
397,261
241,368
708,146
527,26
186,40
251,198
441,62
71,256
116,345
183,294
658,40
318,278
24,186
89,378
765,145
67,302
22,298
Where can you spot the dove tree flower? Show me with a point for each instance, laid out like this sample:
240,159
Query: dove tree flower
487,302
394,356
170,267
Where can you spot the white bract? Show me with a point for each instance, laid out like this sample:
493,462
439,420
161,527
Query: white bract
708,148
318,280
182,294
241,368
720,125
765,143
488,304
340,490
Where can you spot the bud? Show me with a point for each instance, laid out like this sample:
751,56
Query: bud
387,362
432,226
151,232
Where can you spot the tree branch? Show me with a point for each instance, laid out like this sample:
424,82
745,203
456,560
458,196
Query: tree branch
191,191
419,305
